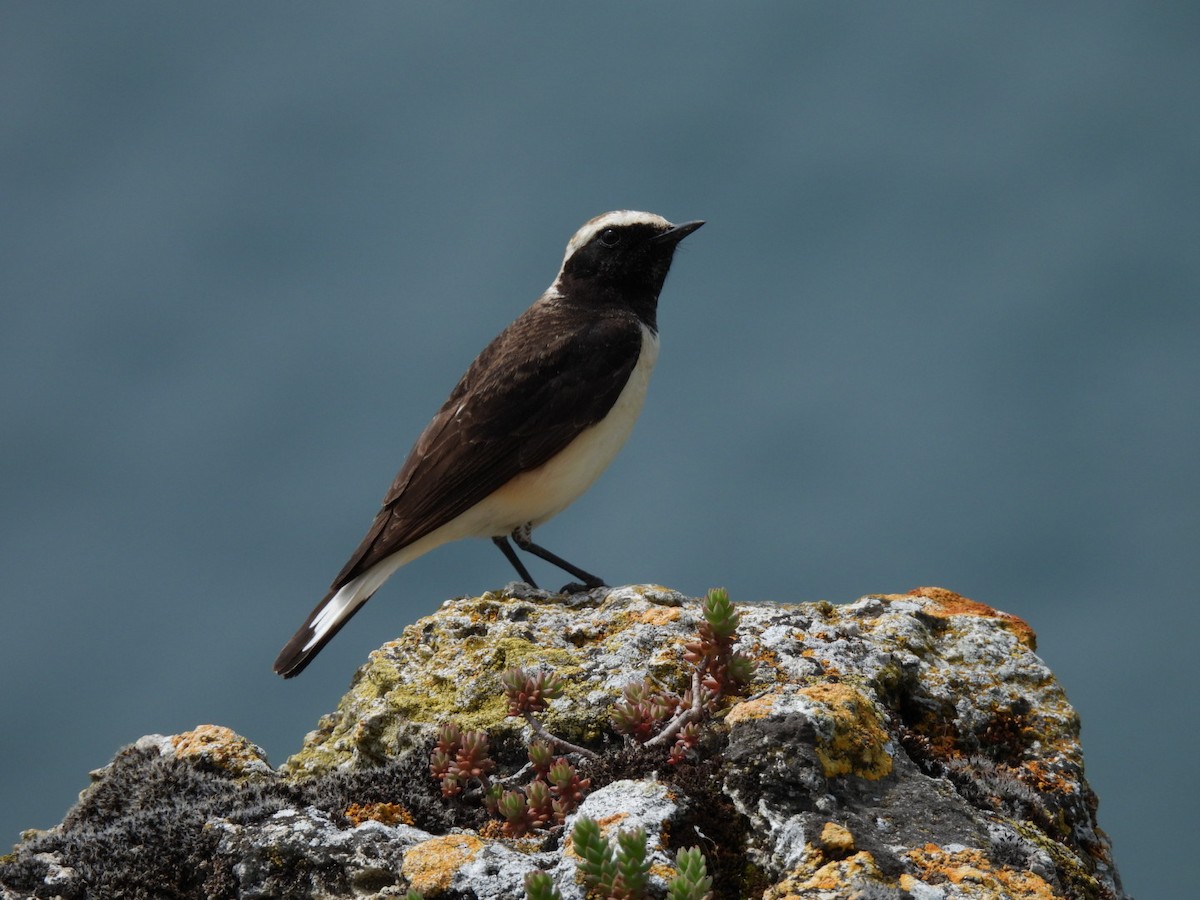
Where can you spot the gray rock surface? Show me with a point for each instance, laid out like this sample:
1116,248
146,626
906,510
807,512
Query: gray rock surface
903,746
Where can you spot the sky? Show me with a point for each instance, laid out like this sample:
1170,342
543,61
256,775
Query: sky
940,329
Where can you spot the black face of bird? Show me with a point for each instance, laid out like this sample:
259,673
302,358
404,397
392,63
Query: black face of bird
625,262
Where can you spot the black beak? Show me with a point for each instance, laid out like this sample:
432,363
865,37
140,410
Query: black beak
676,233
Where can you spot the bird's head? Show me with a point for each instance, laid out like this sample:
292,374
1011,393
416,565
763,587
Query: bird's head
620,256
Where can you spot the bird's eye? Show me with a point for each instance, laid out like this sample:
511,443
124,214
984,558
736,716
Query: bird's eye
610,237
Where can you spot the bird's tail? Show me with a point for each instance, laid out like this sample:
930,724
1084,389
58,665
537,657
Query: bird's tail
327,620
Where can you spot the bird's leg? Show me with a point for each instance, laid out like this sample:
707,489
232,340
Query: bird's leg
511,555
521,537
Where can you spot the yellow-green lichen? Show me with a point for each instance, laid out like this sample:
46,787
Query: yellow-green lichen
858,743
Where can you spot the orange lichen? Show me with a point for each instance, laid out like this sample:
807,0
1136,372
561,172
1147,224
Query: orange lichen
218,745
1041,775
655,615
840,877
949,604
387,813
765,657
606,822
968,866
836,840
757,708
430,865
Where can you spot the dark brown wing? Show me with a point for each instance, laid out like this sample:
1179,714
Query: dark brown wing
532,390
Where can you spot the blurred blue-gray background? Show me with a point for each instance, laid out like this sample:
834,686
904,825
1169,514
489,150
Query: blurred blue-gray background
942,328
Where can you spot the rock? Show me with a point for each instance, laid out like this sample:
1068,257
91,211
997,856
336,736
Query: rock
308,852
624,806
903,746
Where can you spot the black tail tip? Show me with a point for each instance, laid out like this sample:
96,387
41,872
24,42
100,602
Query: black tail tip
306,644
293,658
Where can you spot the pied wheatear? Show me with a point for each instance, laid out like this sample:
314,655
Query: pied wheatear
539,414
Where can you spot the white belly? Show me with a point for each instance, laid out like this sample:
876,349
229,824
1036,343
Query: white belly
541,493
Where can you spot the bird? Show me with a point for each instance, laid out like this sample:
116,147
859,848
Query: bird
534,421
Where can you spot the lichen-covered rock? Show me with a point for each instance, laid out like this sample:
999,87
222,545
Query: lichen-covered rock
448,666
307,852
626,805
903,746
223,748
